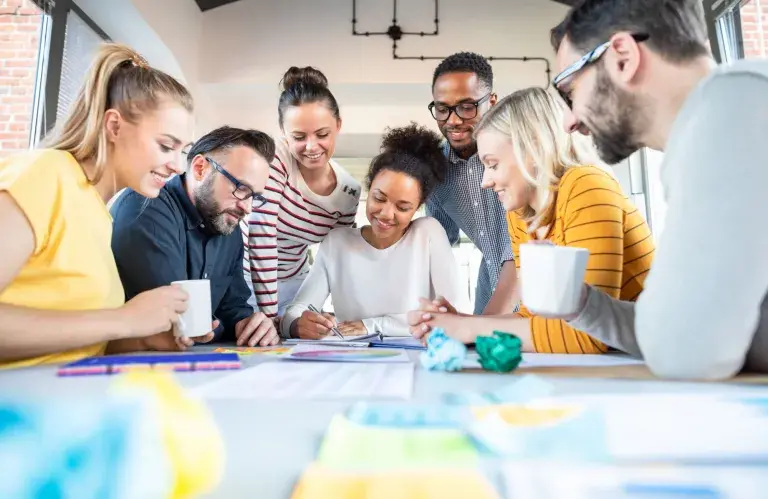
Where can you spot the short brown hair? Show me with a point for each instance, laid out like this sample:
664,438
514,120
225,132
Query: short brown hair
675,28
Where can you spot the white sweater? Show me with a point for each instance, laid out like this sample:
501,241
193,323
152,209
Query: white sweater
380,286
278,235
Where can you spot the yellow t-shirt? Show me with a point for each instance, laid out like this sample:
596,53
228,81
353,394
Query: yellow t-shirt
72,267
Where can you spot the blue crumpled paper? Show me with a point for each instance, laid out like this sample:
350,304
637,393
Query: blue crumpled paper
443,353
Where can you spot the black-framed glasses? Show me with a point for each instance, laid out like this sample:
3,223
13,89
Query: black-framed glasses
464,110
241,191
589,58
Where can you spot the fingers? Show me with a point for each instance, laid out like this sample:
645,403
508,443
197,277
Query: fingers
271,338
178,297
247,329
311,330
204,339
264,327
443,305
325,320
182,343
420,330
331,320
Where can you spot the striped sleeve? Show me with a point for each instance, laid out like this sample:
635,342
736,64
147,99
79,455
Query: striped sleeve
592,217
262,241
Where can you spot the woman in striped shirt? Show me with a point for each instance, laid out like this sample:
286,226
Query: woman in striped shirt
307,194
539,174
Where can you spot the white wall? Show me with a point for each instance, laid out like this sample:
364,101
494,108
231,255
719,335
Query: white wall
167,33
249,44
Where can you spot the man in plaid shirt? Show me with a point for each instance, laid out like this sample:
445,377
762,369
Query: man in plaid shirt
462,91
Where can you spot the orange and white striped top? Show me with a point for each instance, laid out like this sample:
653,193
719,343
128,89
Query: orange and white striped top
591,212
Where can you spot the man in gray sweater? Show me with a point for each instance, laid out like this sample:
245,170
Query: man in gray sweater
639,73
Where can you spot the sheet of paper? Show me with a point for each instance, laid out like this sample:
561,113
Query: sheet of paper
530,480
314,380
576,360
563,360
316,352
321,482
351,446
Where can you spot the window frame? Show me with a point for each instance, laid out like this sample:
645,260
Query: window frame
46,105
713,11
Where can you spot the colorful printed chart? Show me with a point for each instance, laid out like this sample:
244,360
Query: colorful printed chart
341,354
276,350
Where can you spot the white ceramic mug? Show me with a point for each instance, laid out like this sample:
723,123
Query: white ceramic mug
197,319
552,278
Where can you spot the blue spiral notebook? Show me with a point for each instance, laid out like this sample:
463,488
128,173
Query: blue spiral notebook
186,362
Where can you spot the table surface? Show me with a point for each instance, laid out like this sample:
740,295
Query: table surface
270,442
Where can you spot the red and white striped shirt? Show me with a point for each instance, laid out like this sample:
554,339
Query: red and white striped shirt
278,235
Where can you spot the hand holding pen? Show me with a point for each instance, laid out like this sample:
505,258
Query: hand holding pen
313,325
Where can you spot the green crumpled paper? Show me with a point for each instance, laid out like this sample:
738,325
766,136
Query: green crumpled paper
501,352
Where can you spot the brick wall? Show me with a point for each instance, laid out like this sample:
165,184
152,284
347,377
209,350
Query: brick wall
20,22
754,28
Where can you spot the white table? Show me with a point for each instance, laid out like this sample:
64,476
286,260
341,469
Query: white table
269,442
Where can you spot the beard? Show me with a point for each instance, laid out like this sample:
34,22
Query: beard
210,210
618,116
463,151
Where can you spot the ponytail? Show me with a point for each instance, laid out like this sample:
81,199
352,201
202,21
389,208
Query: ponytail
119,79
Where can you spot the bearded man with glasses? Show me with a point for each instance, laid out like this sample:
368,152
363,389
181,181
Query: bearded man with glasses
462,91
191,231
639,73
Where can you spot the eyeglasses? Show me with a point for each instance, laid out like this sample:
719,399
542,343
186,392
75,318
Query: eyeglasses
241,191
464,110
590,57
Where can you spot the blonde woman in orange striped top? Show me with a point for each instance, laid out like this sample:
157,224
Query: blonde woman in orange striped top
542,179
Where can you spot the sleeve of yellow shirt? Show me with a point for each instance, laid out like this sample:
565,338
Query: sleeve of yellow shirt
33,182
591,217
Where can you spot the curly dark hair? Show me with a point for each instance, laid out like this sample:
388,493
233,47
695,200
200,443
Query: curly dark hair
414,150
466,62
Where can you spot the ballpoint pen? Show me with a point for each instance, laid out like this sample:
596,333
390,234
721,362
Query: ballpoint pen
335,331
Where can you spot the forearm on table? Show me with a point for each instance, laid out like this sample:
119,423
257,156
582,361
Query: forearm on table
125,345
27,332
504,297
609,321
481,325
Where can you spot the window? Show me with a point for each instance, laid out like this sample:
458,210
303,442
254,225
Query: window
738,29
23,44
80,44
64,40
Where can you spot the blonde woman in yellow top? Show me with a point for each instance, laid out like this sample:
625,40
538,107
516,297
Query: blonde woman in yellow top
60,294
540,176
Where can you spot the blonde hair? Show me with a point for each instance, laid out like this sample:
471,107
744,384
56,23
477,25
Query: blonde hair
119,79
533,121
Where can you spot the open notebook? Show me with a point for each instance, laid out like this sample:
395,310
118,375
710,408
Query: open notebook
376,340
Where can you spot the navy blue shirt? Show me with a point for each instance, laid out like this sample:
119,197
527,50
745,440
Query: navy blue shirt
158,241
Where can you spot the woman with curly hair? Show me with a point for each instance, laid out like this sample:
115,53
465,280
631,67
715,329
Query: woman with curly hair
377,273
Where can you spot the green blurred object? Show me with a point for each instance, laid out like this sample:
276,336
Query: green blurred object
351,446
500,352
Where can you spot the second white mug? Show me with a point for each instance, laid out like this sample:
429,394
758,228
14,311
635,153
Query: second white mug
552,278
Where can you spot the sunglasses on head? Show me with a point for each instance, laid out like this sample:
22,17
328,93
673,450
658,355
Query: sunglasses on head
589,58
